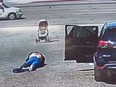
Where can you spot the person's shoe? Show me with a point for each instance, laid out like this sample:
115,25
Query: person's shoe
31,68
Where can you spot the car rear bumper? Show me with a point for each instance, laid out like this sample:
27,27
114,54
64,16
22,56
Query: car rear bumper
110,67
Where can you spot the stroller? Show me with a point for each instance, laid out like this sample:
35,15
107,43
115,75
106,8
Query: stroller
43,32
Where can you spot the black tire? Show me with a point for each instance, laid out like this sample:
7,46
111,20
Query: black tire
98,74
12,16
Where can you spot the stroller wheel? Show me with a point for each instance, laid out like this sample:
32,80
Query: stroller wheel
47,39
37,40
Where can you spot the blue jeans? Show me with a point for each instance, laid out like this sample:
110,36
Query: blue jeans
33,61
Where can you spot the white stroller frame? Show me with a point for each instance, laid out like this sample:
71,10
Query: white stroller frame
43,32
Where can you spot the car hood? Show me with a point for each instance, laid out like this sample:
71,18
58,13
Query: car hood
14,8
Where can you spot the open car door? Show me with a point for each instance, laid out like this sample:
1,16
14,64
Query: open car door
80,42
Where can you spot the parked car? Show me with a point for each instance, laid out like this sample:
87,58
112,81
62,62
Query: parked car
105,56
83,44
11,13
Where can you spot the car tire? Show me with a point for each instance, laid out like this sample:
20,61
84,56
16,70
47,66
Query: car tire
98,74
12,16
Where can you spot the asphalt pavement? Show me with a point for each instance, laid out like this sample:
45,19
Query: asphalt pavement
17,41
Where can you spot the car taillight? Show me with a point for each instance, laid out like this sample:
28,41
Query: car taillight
103,43
99,67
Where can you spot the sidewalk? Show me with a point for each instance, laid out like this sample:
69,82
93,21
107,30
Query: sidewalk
77,1
63,2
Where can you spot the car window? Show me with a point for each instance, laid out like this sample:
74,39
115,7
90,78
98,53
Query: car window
110,35
80,33
103,29
5,5
83,32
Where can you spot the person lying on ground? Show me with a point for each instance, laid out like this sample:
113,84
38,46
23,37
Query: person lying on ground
33,61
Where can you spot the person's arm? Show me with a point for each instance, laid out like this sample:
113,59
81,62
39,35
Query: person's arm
27,59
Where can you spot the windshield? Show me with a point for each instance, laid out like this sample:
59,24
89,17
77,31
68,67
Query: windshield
110,35
5,6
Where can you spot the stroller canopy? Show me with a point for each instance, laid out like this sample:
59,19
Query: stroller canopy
43,23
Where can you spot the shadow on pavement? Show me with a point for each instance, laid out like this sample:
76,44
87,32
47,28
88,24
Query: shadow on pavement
86,70
47,42
10,20
107,81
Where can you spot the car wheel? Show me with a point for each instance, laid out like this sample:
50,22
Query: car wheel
98,75
12,16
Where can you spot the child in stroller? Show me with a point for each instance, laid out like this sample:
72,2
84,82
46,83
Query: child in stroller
43,33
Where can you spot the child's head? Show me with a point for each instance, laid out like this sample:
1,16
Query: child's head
37,54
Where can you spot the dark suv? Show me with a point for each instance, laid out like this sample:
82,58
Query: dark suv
105,56
83,44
